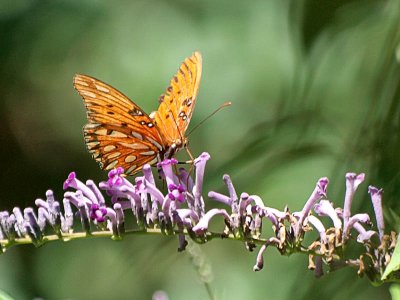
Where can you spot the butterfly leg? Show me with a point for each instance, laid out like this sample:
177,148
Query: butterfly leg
191,161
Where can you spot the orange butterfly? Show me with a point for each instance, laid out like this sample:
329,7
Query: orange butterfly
120,134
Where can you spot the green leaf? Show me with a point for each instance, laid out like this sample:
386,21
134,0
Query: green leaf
394,263
5,296
395,291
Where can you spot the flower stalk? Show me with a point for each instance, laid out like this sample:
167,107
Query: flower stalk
179,209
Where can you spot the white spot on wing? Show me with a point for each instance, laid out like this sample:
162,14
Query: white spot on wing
135,146
109,148
137,135
80,82
130,158
114,155
111,165
147,153
116,133
92,144
87,93
92,125
154,143
102,131
131,169
152,114
102,88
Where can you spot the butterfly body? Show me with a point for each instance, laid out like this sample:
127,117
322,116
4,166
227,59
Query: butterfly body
120,134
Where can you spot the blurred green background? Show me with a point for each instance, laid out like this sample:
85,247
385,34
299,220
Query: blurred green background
315,92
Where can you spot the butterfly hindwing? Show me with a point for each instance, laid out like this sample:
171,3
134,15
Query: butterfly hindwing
119,133
177,104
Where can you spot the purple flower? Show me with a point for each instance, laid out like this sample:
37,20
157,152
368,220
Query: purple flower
144,186
219,197
98,213
358,218
202,226
376,197
176,192
70,181
352,182
325,208
166,166
317,194
260,258
115,177
73,182
364,235
319,226
177,208
200,164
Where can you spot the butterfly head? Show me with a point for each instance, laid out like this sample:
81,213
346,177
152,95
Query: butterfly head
177,145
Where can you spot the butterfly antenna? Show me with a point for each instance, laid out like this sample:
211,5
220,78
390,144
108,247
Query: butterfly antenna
225,104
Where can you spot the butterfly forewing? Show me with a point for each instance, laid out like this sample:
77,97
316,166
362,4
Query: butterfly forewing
177,104
119,133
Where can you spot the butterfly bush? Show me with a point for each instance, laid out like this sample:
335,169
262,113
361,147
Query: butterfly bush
177,207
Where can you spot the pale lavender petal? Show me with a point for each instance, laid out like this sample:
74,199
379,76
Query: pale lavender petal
154,191
120,218
84,217
219,197
186,179
50,197
77,198
32,223
188,213
148,174
200,164
113,221
317,194
75,183
325,208
267,213
43,216
159,295
68,215
376,197
166,166
231,189
149,180
352,182
93,187
260,257
319,226
20,221
361,218
363,236
41,203
202,226
243,202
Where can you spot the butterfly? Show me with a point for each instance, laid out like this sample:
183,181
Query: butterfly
120,134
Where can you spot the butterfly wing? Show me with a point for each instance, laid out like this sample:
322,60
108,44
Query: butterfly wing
177,104
119,133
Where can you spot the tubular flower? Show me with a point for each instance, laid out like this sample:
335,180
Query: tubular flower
178,208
